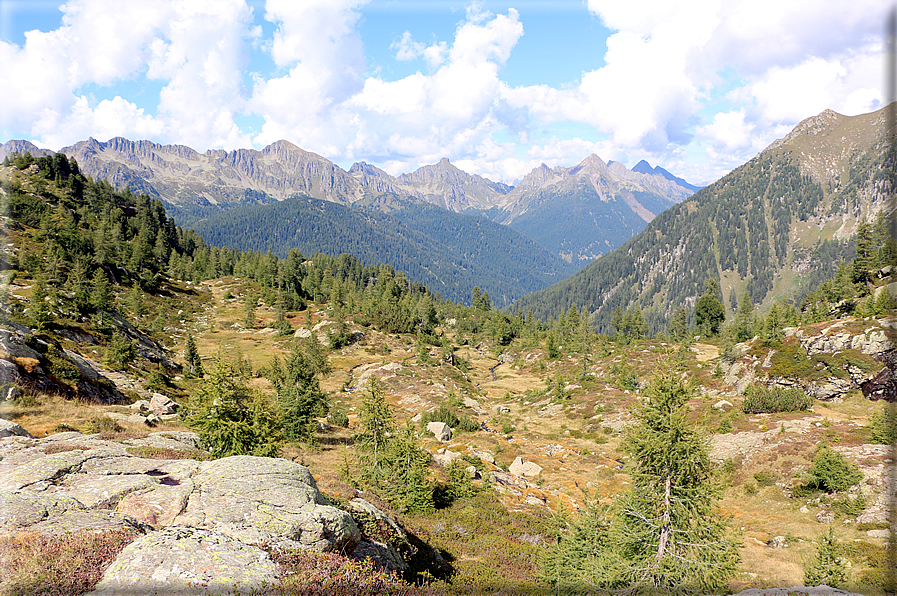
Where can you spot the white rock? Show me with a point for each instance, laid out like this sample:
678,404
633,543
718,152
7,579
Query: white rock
440,430
527,469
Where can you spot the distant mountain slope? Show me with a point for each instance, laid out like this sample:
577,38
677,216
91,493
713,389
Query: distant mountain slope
587,210
774,227
643,167
578,212
449,252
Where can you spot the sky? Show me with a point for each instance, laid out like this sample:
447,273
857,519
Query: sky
498,87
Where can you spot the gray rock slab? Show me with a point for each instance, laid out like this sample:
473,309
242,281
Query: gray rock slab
8,428
177,440
86,521
180,560
23,509
160,505
103,491
440,430
259,499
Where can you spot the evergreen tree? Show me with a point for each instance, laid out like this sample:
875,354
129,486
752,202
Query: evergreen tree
709,310
664,534
828,567
299,395
251,303
678,329
230,418
744,318
669,535
194,362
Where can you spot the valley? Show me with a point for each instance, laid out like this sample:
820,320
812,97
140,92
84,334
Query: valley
350,428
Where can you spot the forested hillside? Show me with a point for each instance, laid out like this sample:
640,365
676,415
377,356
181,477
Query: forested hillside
448,251
772,228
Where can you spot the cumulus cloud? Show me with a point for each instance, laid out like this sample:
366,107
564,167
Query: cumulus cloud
198,48
767,64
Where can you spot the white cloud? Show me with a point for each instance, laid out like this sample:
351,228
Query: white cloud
408,49
110,118
728,131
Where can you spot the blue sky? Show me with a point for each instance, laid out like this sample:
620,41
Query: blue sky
498,87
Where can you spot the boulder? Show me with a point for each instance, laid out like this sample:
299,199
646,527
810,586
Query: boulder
722,404
825,517
258,499
8,428
777,542
383,536
162,404
527,469
183,560
440,430
9,372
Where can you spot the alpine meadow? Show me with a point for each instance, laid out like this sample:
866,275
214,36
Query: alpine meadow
342,307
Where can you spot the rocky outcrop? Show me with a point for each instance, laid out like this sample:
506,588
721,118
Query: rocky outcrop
743,370
200,524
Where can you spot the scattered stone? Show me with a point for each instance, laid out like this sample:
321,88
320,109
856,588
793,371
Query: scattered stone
502,409
302,332
881,533
825,517
722,404
526,469
440,430
162,404
470,402
777,542
13,393
141,405
485,456
534,500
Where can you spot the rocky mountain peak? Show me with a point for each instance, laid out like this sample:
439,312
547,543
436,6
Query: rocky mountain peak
591,164
814,125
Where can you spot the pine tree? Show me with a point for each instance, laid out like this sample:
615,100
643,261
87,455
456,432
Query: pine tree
709,310
827,568
664,534
230,418
194,362
667,530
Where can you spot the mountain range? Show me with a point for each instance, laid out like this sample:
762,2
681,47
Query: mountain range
774,228
578,212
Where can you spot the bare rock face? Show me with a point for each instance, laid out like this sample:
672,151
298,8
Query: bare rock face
184,560
200,524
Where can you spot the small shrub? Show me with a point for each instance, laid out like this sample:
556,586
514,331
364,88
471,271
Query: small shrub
337,418
850,507
828,567
724,427
467,424
69,564
120,352
507,428
884,427
759,399
442,414
99,424
831,472
148,452
765,478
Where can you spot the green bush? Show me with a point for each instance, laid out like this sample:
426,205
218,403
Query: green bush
759,399
442,414
336,418
884,427
120,352
830,472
